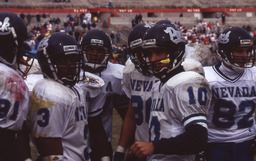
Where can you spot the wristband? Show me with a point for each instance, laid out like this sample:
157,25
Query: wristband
53,158
28,159
120,149
105,158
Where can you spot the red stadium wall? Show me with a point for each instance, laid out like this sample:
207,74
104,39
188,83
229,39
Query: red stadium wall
116,11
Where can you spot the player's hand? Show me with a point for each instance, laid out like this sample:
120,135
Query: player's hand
200,156
142,149
118,156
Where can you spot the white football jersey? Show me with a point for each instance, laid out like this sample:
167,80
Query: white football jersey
138,88
14,98
183,100
112,77
56,111
231,115
92,87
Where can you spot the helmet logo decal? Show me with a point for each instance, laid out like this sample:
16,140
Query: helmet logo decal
43,43
150,42
246,42
96,41
175,35
136,43
5,25
69,48
224,38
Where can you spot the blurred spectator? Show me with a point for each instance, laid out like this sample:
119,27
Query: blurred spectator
133,23
105,24
223,18
49,26
93,25
38,39
44,15
77,34
81,17
29,19
110,5
38,19
140,19
112,36
118,37
22,16
137,19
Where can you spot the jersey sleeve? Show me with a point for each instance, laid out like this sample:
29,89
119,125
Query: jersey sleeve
192,98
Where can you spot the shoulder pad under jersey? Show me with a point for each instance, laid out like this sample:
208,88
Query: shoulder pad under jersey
115,69
192,65
93,81
183,77
129,67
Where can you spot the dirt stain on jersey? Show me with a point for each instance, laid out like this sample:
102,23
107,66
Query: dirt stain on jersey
36,103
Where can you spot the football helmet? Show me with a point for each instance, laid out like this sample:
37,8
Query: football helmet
135,46
165,22
235,39
60,58
13,33
97,47
163,38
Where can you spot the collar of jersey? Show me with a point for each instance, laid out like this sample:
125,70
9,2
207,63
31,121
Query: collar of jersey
217,70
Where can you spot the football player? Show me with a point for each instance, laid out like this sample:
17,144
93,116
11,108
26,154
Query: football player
137,84
231,114
14,95
97,48
58,110
180,100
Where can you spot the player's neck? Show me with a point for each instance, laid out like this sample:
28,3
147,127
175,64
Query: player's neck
228,71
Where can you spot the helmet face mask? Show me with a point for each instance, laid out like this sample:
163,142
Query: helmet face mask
236,47
96,46
96,58
166,61
67,66
60,58
239,59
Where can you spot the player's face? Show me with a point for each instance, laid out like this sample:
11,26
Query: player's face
158,57
241,56
95,54
67,66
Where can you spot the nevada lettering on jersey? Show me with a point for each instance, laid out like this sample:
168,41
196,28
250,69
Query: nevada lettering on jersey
139,85
222,92
157,105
